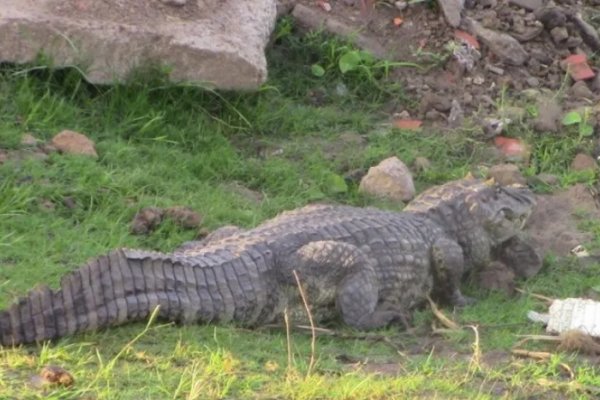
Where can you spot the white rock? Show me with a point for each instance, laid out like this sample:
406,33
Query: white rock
390,179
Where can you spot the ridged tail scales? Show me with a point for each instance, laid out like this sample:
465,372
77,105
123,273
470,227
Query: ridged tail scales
127,285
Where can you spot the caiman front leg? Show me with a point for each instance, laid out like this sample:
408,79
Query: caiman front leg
520,256
448,267
349,276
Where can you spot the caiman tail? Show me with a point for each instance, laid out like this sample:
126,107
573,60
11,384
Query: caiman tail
123,286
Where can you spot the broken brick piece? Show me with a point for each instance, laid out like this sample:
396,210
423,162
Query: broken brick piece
408,124
466,37
578,67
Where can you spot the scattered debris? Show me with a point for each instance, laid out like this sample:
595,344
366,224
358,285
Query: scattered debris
53,375
149,218
580,251
184,216
146,220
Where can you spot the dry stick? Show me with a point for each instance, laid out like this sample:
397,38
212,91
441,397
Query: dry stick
313,340
288,337
447,322
542,356
536,355
476,358
537,296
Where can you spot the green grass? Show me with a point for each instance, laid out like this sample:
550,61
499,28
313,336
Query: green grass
164,145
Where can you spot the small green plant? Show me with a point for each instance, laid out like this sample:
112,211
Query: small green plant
581,119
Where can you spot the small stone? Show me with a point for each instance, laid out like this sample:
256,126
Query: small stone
531,94
69,202
28,140
457,115
421,164
478,80
545,179
559,35
580,90
404,114
401,5
532,81
435,101
506,174
504,46
551,17
467,98
74,143
452,11
549,112
434,115
583,162
513,113
390,179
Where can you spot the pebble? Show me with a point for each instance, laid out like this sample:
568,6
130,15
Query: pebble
532,81
506,174
559,35
580,90
401,5
583,162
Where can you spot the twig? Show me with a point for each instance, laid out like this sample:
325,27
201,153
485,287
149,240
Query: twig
536,355
447,322
313,340
288,338
345,336
537,296
476,358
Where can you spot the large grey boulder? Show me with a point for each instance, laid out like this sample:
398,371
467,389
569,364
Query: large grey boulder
218,42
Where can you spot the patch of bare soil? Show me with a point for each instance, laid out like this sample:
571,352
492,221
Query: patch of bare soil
473,72
554,224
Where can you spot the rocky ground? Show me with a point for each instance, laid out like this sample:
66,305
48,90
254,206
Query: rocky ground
519,48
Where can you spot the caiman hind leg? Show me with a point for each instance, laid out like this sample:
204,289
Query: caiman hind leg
448,270
347,277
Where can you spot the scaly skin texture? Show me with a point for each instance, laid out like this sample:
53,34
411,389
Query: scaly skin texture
368,266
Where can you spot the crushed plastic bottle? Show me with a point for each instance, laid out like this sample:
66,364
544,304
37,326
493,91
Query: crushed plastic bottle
568,314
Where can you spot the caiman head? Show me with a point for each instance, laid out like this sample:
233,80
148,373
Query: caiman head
501,210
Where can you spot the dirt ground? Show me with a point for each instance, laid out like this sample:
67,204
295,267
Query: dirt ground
422,34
